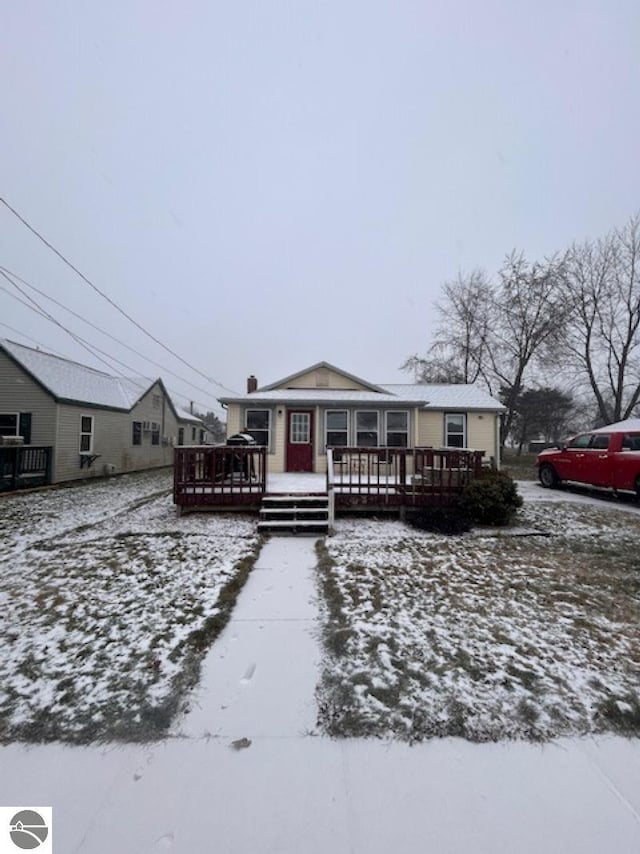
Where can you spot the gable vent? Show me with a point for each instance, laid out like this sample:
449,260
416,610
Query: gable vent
322,378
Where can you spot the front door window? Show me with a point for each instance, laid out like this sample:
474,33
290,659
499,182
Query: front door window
300,431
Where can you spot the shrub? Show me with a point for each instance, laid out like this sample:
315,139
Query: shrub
491,499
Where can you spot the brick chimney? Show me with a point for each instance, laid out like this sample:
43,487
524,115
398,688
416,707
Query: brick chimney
252,384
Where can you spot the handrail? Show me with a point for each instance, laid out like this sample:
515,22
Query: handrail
331,496
226,474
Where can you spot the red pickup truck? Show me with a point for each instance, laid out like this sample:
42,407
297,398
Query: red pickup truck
608,457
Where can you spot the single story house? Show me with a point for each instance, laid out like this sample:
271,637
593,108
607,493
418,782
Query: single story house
90,423
297,418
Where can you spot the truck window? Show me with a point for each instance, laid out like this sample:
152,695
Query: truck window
631,442
600,441
580,441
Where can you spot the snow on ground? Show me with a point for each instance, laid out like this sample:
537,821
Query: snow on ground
109,600
287,791
487,636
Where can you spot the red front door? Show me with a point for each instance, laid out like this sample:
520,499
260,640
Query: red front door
299,440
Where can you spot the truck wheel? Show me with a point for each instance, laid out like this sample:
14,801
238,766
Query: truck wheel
548,476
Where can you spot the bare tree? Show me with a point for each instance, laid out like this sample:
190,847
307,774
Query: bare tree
490,332
528,315
601,286
458,352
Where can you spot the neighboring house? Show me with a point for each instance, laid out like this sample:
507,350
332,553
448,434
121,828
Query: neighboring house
191,429
298,417
95,424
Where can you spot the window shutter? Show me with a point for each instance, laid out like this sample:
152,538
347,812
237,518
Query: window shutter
24,427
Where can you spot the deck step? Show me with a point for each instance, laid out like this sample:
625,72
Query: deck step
294,527
304,513
294,514
299,500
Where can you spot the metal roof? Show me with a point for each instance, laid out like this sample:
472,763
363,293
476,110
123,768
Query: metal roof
460,397
72,382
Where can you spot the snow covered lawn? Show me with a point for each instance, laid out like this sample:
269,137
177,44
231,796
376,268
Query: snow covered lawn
109,600
486,636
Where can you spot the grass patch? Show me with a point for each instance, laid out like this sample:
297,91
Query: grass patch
111,619
482,637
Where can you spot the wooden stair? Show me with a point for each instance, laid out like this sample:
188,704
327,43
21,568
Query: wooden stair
294,514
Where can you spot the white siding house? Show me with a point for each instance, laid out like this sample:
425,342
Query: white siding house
96,424
322,406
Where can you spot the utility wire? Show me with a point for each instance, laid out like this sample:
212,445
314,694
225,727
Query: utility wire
47,349
90,348
13,275
109,300
28,337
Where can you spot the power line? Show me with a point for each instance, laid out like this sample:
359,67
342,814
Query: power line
32,305
90,348
28,284
109,300
28,337
47,349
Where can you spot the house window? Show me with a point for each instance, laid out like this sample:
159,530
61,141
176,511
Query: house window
202,437
258,424
181,435
155,433
136,433
455,430
397,429
193,434
9,422
367,429
86,434
337,428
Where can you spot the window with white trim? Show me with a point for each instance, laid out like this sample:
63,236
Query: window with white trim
136,432
397,429
258,424
86,434
455,430
367,429
336,428
9,424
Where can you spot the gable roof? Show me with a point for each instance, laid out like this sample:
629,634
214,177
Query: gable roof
457,396
316,367
71,382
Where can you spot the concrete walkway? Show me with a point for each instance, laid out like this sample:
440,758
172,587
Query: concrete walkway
260,676
281,789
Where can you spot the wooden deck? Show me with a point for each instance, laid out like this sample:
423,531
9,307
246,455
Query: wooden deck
365,479
22,466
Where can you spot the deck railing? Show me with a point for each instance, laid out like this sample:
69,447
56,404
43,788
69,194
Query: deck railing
22,466
399,476
219,475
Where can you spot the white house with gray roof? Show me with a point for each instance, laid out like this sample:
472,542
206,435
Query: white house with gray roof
95,423
322,406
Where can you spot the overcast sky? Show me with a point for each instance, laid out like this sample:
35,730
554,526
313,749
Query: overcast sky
266,185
